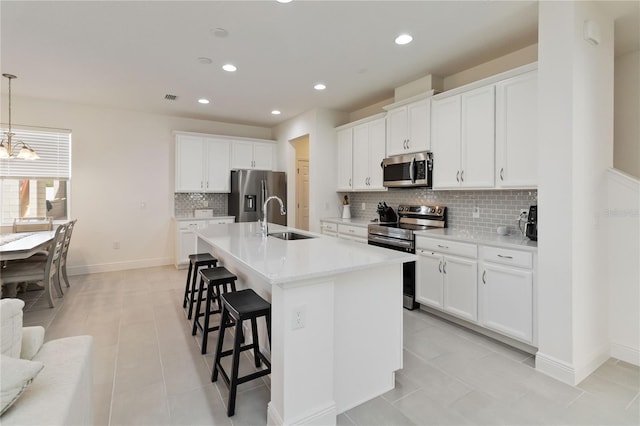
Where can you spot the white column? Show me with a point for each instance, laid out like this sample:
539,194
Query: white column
575,150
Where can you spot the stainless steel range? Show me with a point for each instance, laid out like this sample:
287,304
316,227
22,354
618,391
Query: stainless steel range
400,236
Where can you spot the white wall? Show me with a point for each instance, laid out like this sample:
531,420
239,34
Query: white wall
622,223
575,150
120,158
319,124
626,147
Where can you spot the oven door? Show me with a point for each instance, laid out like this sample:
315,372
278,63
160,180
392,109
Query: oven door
408,268
407,170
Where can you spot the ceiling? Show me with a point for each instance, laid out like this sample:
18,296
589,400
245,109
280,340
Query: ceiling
130,54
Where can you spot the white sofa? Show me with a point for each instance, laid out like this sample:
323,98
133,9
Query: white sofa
61,392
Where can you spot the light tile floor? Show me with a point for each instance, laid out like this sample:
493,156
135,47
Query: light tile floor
148,369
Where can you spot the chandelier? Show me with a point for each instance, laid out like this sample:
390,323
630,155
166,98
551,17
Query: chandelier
10,148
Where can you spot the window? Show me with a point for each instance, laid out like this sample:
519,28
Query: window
39,187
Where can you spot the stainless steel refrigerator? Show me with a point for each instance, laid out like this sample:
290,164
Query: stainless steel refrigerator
249,189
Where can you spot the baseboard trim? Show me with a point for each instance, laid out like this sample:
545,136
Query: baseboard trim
602,355
324,416
625,353
555,368
118,266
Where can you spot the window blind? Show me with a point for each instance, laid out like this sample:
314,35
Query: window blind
54,149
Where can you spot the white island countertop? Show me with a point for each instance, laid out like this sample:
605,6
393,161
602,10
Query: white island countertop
278,261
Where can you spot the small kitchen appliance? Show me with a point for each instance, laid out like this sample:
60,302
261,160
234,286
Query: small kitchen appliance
400,236
531,228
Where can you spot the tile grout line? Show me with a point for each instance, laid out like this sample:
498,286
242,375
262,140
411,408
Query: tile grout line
115,367
632,400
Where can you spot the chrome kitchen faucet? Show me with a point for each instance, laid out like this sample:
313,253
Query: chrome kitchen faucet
263,226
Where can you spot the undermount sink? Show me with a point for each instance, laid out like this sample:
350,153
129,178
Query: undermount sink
290,236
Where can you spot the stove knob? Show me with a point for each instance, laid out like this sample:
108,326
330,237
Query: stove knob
439,211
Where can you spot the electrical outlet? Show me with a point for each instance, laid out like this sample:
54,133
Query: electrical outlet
299,318
476,212
116,245
364,206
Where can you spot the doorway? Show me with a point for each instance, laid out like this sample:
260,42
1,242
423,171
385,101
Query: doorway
301,146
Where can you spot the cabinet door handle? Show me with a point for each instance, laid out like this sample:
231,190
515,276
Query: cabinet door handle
201,184
502,173
444,247
444,267
408,143
505,257
458,176
440,267
484,276
462,176
207,184
349,183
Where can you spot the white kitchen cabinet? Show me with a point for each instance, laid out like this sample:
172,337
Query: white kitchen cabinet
463,140
445,279
252,155
186,238
345,159
506,301
408,128
328,228
353,233
517,131
368,153
202,164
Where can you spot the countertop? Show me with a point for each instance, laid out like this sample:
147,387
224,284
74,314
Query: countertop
515,241
280,262
355,222
190,218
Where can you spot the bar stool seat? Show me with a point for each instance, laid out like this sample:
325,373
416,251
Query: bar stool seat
196,261
240,306
213,282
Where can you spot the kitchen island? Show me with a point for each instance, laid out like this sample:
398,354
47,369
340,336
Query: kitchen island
336,316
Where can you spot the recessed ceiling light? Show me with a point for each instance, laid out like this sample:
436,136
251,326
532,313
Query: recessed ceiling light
203,101
275,112
283,1
204,60
404,39
319,86
229,67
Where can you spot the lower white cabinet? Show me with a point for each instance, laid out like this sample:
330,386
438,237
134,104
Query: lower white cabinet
186,238
447,281
329,228
353,233
506,294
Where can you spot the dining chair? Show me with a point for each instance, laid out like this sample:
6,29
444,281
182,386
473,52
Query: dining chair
32,224
63,256
45,271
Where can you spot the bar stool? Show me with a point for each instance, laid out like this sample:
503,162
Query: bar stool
240,306
195,261
218,280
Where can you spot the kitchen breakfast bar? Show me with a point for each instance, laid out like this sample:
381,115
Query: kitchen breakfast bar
336,309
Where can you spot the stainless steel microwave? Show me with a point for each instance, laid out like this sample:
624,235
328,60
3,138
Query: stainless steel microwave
408,170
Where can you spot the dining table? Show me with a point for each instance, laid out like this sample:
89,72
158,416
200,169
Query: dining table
21,245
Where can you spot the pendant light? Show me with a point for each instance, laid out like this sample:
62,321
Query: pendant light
8,146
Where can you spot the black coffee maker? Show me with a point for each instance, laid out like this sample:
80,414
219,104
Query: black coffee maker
531,228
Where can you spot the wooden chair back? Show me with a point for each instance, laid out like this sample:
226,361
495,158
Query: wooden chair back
32,224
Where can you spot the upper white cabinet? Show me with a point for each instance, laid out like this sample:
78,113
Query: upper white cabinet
368,153
361,149
345,159
408,128
517,131
202,164
252,155
463,139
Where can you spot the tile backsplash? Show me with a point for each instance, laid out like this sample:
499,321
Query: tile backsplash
497,207
185,203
